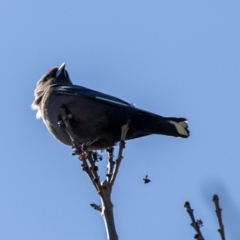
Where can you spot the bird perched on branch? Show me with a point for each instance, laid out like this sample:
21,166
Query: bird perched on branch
96,118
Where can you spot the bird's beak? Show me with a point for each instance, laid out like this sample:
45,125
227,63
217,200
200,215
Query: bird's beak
61,70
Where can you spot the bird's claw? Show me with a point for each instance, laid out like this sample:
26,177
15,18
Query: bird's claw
61,121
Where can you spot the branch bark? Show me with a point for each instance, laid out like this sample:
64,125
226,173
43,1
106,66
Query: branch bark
219,216
194,223
121,147
104,188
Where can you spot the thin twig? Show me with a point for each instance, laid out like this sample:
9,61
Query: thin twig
121,147
65,119
219,216
96,207
111,163
96,177
194,223
85,167
92,164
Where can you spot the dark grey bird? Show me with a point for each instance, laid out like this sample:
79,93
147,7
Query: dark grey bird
96,117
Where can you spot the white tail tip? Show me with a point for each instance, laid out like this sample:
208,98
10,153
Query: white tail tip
181,127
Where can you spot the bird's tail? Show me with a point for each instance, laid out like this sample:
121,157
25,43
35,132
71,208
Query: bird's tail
145,123
173,126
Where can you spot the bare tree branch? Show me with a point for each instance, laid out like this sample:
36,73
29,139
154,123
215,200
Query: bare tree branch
104,188
85,167
219,216
96,207
121,147
111,163
194,223
65,118
107,211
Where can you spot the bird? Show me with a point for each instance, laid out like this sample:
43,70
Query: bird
96,118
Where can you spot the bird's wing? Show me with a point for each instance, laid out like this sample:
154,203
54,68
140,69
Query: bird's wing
86,92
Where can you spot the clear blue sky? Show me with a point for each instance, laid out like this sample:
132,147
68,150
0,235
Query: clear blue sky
175,58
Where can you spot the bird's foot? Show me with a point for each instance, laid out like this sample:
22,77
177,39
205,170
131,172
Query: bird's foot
62,119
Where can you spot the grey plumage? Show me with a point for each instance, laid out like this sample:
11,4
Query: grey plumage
97,117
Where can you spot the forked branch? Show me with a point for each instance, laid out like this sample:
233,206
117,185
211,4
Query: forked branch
195,224
103,188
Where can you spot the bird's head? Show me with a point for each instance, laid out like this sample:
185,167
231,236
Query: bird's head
54,76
